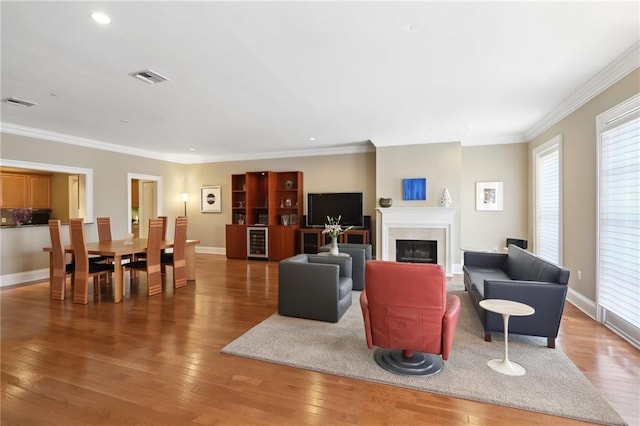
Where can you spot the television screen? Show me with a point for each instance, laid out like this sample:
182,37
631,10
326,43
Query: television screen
347,205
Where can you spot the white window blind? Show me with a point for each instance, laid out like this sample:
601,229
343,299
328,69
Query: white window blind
547,201
619,224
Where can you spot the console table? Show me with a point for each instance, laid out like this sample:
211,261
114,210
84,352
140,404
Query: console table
311,239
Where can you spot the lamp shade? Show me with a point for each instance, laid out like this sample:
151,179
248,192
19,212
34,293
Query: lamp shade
185,197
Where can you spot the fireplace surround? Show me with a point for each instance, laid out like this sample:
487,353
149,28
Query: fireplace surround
417,223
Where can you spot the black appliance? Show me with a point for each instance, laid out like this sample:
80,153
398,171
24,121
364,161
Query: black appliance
40,216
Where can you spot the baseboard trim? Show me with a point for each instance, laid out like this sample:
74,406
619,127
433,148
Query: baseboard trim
211,250
585,304
24,277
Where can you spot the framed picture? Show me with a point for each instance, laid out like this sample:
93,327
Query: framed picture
489,196
414,189
210,199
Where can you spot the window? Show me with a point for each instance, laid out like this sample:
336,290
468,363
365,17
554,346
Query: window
618,260
547,196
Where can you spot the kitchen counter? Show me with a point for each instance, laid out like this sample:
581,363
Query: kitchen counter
23,226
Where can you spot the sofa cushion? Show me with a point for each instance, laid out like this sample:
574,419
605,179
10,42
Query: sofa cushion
477,275
522,265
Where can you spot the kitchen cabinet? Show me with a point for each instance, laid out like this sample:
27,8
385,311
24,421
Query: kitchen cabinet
25,190
40,192
272,200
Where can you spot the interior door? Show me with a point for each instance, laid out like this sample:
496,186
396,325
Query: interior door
147,206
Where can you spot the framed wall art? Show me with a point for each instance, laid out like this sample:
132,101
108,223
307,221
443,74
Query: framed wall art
210,199
414,189
489,196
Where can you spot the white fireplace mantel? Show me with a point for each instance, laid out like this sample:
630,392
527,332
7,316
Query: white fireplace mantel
416,219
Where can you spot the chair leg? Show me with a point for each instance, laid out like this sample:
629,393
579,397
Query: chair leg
551,342
487,336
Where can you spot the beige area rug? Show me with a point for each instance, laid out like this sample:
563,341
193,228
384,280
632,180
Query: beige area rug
552,384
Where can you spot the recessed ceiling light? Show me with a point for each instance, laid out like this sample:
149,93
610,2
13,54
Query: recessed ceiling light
101,18
192,149
312,139
124,121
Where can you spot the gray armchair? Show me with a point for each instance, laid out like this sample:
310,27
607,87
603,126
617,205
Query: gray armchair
315,287
360,253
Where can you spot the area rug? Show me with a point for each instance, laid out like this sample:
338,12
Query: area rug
552,384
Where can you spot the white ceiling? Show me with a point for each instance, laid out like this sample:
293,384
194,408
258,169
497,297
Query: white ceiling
258,80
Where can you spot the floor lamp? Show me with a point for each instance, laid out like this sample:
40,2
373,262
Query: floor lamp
185,198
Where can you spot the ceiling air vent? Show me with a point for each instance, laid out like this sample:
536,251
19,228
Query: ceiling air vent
149,76
19,102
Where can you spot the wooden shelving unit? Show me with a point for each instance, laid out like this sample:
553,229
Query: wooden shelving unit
270,199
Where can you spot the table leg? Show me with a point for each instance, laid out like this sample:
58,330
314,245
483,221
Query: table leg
190,259
118,279
503,365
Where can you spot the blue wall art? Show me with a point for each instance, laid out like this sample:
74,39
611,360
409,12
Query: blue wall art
414,189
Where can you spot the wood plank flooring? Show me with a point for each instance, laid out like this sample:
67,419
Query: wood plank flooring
157,361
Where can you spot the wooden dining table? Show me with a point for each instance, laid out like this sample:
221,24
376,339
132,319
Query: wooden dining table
117,249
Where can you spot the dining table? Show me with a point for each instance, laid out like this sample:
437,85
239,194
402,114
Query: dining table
118,249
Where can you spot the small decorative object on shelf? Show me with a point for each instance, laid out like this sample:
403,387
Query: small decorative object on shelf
288,184
445,199
333,228
385,202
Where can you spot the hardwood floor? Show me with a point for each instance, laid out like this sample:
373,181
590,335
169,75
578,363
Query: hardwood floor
157,361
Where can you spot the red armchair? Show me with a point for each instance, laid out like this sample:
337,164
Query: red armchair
409,316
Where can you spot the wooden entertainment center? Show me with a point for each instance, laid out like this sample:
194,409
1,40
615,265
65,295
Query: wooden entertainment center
266,215
267,221
311,239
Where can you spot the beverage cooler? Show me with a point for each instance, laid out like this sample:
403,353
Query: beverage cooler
258,242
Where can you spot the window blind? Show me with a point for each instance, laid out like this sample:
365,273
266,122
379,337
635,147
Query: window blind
547,220
619,226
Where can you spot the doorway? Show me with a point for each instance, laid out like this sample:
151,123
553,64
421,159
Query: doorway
144,201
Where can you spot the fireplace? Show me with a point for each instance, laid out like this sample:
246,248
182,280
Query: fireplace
417,223
417,251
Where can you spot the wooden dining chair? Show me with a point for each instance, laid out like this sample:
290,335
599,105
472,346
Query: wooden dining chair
59,266
104,234
83,268
176,260
151,264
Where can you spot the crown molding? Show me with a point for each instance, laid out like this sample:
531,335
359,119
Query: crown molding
616,70
16,129
360,148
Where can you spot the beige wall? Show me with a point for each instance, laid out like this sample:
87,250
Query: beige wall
439,163
22,248
579,170
328,173
486,230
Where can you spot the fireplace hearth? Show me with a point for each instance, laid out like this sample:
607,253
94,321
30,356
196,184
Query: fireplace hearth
417,251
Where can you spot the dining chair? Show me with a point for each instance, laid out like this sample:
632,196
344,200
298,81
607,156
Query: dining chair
151,264
83,268
59,266
104,234
176,260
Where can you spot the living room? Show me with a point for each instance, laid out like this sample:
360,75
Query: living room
375,168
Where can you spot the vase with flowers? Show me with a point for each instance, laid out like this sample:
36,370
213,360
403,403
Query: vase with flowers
21,216
333,229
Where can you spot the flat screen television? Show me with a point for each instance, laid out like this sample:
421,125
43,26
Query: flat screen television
347,205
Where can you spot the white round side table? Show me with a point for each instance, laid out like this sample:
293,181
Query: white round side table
506,308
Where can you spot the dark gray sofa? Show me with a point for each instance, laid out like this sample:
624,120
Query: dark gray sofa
522,277
315,287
